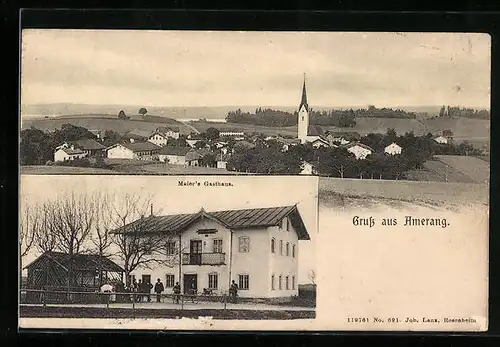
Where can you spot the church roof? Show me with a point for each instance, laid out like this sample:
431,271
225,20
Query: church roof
303,101
314,130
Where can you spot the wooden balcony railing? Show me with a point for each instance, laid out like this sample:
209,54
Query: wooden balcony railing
203,258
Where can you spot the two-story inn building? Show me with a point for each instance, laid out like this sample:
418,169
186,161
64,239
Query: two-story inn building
257,248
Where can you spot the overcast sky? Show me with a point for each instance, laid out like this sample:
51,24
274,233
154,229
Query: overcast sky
195,68
169,198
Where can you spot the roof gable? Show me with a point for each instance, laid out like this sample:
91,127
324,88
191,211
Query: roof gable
77,261
88,144
232,219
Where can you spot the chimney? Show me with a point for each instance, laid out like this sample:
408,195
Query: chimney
151,210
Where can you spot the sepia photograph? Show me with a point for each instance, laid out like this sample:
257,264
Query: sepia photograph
177,179
386,106
149,247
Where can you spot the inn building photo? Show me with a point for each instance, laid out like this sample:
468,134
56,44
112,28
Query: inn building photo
218,243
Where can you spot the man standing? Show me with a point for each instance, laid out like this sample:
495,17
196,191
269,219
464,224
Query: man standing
158,289
177,292
233,291
140,291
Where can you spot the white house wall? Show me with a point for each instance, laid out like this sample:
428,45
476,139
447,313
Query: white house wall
254,263
282,264
359,152
173,159
120,152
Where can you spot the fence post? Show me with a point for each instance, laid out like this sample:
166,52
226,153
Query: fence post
43,298
107,301
133,301
182,302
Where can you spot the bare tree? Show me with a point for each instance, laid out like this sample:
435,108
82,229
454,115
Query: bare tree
70,219
44,239
312,277
137,245
29,218
100,237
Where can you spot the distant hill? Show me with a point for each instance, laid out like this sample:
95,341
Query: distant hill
105,122
208,112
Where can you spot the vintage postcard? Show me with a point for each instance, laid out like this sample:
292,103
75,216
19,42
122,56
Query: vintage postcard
340,179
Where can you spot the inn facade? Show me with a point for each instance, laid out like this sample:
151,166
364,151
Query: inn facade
257,248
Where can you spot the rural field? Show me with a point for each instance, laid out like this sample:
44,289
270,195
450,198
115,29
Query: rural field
63,170
102,122
338,192
453,168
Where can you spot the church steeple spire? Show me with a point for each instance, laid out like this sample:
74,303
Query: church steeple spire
303,101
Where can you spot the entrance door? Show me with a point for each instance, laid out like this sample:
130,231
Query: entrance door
195,252
190,284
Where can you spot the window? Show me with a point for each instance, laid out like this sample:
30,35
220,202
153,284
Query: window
273,241
286,283
293,251
293,282
281,247
146,278
287,249
244,243
287,224
283,223
243,282
131,279
170,248
280,286
218,246
272,282
169,280
213,281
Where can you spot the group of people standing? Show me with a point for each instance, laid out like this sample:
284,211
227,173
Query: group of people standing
142,290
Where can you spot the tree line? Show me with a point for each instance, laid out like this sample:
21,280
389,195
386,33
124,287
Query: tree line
455,111
339,162
87,223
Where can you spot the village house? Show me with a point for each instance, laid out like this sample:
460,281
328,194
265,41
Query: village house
441,139
286,143
307,169
136,135
174,155
393,149
360,150
133,150
320,142
222,160
234,133
342,137
68,153
257,248
56,271
161,135
192,140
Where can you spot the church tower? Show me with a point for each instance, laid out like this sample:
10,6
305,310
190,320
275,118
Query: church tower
303,122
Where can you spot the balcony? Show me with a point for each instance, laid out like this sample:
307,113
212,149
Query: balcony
203,258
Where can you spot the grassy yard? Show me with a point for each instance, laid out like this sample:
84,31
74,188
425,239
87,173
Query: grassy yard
97,312
63,170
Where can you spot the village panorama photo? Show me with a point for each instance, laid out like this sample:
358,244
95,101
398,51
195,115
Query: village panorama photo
138,247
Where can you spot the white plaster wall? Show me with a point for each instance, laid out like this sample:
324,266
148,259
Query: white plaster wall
120,152
359,152
282,264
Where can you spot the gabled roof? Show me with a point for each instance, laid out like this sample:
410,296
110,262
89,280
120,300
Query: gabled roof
232,219
87,144
180,151
321,139
359,144
70,151
137,146
314,130
204,151
244,144
78,261
393,143
193,155
287,141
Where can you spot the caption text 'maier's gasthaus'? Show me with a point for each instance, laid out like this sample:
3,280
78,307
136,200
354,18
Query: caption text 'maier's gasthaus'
184,183
408,221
